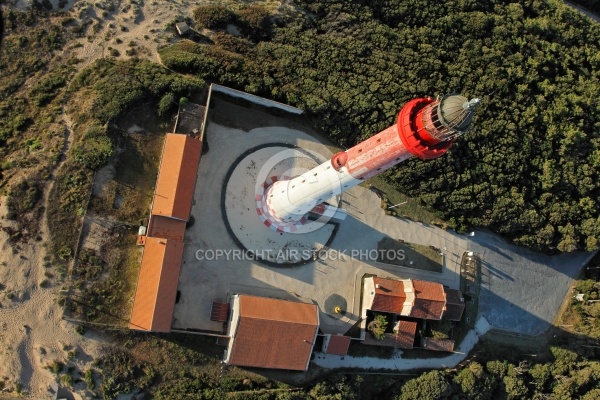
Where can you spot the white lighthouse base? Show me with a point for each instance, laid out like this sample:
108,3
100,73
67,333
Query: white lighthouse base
250,175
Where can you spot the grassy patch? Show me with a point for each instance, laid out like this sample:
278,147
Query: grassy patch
105,275
98,95
416,256
582,316
174,366
32,88
66,207
103,286
400,205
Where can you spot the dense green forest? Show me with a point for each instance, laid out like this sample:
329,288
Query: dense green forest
187,367
527,170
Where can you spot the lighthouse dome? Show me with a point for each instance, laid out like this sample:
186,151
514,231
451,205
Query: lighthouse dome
456,112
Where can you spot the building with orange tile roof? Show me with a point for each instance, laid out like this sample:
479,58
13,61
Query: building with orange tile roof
336,344
176,177
429,301
157,285
410,298
158,279
271,333
438,344
389,296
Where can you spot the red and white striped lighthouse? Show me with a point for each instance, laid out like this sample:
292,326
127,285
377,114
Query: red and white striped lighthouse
426,128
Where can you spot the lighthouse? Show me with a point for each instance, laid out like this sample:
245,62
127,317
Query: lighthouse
425,128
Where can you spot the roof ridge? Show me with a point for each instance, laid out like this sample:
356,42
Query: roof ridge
278,320
160,240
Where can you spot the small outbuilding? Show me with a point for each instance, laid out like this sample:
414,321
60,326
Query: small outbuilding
182,28
455,305
336,344
433,344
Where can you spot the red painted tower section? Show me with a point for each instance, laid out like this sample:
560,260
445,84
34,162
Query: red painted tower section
419,131
425,128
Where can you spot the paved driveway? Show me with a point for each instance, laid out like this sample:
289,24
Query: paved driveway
522,291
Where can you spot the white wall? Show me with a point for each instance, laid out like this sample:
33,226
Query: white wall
255,99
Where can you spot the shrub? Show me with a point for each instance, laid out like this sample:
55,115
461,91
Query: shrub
22,198
440,329
94,149
71,355
255,21
55,367
430,385
66,380
232,43
377,326
214,16
46,89
88,377
165,104
122,373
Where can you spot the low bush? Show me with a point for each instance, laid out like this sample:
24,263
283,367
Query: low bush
55,366
22,198
255,21
88,377
121,373
214,16
166,103
94,149
378,326
46,88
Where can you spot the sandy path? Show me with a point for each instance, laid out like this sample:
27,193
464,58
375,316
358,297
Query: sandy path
32,330
31,326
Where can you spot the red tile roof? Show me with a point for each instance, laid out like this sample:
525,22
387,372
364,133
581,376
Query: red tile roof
405,337
429,300
165,227
219,311
389,296
177,177
455,305
338,345
156,289
438,344
274,333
